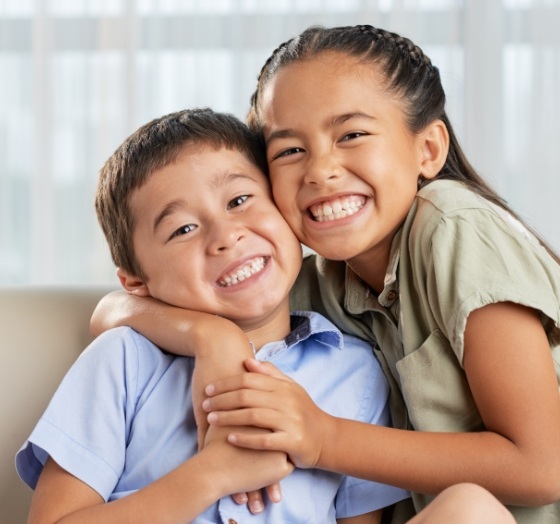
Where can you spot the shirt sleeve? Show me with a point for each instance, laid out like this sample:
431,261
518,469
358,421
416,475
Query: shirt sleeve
483,256
86,424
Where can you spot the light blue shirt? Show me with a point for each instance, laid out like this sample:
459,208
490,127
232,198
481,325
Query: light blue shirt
123,417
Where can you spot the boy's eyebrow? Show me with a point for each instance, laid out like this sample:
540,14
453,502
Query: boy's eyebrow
217,182
221,180
166,211
331,122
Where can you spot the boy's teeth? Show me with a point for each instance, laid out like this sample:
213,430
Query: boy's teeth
238,275
337,208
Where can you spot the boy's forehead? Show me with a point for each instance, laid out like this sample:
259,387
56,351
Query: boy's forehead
224,164
210,165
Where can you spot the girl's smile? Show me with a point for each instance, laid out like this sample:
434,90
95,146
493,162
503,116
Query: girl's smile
343,164
337,208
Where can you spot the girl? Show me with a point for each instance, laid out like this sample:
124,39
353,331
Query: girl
417,254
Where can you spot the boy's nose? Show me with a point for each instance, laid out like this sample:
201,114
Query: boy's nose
224,237
321,169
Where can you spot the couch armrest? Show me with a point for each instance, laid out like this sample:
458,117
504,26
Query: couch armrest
42,331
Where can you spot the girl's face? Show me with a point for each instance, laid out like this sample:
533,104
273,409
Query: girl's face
344,166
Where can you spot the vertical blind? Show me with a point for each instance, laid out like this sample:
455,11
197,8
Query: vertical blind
78,76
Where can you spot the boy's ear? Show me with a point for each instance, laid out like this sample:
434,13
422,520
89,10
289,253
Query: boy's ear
435,145
132,284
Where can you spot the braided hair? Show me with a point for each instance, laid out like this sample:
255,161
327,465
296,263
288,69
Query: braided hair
410,76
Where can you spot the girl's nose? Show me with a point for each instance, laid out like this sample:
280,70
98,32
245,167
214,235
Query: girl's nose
322,169
224,236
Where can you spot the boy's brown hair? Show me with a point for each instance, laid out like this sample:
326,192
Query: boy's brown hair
152,147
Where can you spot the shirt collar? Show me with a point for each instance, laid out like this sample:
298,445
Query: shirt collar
307,324
359,297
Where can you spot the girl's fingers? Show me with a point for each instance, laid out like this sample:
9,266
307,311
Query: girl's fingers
241,399
265,368
244,381
263,376
256,417
260,441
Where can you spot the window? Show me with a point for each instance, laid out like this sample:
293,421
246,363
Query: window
78,76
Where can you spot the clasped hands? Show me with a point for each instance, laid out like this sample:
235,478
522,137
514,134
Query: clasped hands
264,410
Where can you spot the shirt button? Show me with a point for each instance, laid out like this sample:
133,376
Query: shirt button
392,295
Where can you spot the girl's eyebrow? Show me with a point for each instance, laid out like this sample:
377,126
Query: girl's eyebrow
331,122
281,133
340,119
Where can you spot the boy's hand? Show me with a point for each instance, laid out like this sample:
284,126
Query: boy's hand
244,470
254,499
269,399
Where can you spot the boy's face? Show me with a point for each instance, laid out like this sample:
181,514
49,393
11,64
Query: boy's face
209,238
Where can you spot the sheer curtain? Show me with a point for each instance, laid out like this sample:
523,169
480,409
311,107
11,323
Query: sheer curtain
78,76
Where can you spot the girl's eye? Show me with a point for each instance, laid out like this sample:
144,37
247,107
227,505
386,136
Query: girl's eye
237,201
183,230
351,136
289,152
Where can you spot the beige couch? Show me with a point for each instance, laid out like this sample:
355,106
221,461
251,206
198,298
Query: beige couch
42,331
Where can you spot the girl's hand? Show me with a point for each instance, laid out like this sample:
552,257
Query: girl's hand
269,399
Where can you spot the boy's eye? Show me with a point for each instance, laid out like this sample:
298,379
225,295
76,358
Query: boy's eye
183,230
237,201
289,152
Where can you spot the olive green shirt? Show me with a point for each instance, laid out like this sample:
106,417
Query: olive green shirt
456,252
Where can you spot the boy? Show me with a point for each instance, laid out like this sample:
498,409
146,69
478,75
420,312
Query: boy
188,215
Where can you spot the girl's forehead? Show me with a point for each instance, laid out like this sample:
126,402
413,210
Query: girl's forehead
328,76
330,60
325,69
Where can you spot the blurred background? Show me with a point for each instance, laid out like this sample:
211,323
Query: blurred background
78,76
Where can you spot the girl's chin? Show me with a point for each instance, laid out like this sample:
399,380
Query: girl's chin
332,250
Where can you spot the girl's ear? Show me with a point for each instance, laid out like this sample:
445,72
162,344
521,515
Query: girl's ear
435,145
132,284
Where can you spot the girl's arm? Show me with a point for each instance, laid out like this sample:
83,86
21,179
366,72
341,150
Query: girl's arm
510,370
177,330
181,495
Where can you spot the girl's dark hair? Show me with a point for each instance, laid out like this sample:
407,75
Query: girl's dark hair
409,75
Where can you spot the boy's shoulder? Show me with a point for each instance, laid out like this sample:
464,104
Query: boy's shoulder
123,347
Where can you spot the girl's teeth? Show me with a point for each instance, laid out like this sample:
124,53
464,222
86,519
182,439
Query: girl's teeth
239,275
336,209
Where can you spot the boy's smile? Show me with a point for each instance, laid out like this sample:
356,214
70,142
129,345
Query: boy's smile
209,238
243,272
